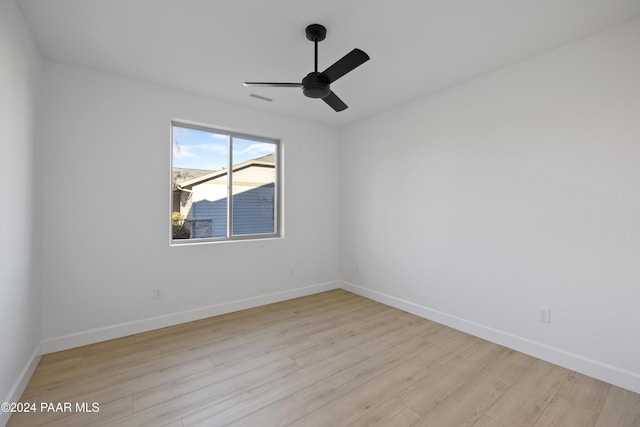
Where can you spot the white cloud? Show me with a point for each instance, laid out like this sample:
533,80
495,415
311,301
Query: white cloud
210,147
183,152
256,150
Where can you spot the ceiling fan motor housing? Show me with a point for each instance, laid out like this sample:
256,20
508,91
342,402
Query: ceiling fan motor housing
314,85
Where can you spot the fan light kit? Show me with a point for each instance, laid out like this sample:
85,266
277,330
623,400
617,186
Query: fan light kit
316,84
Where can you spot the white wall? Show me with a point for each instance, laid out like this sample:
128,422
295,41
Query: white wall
20,73
515,191
106,200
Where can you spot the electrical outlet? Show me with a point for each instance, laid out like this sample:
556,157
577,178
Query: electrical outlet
157,293
544,315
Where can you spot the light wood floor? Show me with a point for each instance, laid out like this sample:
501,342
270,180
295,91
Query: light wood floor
331,359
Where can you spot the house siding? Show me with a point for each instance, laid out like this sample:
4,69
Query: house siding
253,211
205,206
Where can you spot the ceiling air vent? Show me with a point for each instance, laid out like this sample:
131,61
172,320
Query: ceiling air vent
264,98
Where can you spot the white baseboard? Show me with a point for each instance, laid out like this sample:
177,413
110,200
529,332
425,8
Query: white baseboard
21,383
123,329
593,368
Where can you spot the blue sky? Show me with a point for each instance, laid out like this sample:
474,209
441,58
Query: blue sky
198,149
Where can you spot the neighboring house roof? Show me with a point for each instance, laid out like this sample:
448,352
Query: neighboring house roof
268,161
181,175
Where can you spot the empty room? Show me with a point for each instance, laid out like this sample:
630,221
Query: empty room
335,213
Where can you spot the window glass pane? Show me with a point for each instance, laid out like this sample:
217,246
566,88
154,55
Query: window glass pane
254,187
199,183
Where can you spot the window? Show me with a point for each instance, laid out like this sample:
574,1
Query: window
225,185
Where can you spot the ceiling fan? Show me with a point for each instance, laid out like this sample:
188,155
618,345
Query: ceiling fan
318,85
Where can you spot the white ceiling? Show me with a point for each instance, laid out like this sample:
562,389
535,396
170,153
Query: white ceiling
209,47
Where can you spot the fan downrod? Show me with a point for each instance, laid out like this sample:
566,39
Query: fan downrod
316,32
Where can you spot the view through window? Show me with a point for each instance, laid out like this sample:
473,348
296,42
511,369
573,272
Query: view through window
224,185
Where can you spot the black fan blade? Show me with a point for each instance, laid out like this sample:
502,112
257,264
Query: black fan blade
334,102
342,66
262,84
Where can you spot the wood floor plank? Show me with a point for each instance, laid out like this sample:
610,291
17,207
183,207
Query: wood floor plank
267,393
449,346
211,385
577,403
109,369
330,359
108,392
562,413
366,398
584,392
356,324
487,421
311,322
621,408
168,409
322,392
383,326
280,413
384,341
390,413
468,403
114,360
438,385
525,400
